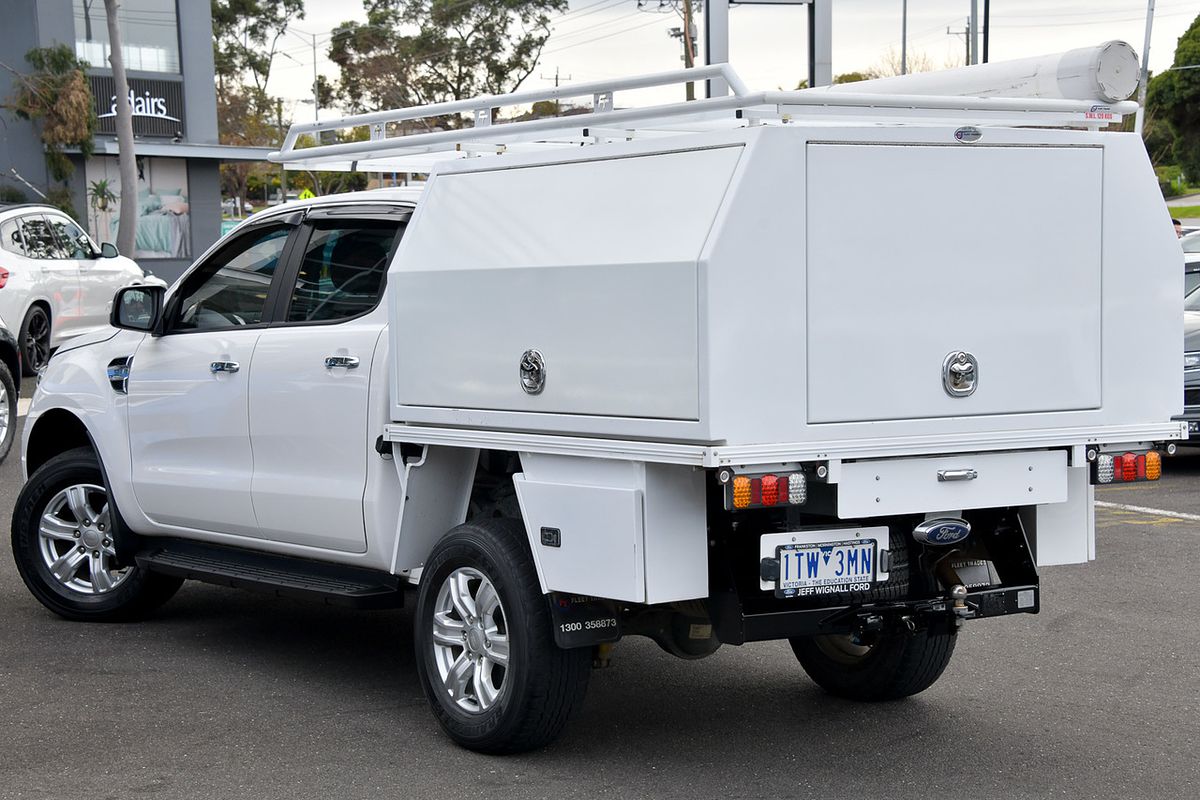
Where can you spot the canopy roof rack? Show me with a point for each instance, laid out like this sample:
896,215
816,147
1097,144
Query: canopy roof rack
391,149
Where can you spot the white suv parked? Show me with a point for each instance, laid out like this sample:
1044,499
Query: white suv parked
55,283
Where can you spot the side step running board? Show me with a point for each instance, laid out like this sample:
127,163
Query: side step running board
283,576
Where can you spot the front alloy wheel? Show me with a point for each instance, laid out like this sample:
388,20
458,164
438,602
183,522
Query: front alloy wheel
75,540
65,532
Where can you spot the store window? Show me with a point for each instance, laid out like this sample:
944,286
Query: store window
163,208
149,34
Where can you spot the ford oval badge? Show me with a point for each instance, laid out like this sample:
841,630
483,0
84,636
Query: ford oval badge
942,531
968,134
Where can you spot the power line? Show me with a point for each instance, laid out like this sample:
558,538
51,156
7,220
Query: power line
605,36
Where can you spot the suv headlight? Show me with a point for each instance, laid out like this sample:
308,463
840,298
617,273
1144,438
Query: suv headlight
1191,360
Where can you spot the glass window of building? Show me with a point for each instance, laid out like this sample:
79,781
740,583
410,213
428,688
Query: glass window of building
149,34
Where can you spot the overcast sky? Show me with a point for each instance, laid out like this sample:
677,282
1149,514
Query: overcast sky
599,39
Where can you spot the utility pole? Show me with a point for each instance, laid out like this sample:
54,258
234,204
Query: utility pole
556,78
966,33
687,37
903,37
689,45
1140,117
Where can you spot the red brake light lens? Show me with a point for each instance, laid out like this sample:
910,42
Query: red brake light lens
1129,467
3,277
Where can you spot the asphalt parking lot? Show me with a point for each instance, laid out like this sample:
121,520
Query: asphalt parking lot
227,694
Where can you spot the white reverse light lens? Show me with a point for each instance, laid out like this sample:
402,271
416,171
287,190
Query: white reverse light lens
797,488
1104,469
1191,360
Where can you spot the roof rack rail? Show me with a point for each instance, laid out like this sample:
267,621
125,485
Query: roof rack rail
385,151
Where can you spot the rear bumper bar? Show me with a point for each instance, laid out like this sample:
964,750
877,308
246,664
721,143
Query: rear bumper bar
735,627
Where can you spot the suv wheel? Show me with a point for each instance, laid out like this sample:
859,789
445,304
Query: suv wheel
64,533
486,655
8,411
35,340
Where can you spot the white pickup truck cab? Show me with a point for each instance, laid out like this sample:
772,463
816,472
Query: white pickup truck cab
662,380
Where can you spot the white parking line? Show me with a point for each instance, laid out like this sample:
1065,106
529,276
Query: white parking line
1158,512
23,406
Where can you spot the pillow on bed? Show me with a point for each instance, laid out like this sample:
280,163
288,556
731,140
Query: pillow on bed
175,204
148,204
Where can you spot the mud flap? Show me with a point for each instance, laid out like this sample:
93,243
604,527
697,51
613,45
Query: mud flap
582,621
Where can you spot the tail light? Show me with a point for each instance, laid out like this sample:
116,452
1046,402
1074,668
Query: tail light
3,277
1127,467
771,490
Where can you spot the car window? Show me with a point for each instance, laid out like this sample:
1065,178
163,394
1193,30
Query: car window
40,241
231,288
1190,281
343,269
1192,301
10,237
71,238
1191,242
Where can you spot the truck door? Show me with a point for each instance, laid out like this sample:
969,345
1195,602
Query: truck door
189,432
310,385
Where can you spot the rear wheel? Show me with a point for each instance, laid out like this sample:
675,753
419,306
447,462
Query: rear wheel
887,665
494,677
8,410
64,540
35,340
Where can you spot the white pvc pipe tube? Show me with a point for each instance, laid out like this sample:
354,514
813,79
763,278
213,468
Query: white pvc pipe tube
1106,73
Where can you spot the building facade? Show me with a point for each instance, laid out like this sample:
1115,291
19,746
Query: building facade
168,53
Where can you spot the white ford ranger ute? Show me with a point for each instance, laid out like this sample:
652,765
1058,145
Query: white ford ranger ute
653,378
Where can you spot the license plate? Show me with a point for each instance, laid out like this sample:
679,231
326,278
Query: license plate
827,567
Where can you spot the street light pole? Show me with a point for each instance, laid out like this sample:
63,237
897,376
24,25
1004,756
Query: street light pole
973,36
903,37
316,83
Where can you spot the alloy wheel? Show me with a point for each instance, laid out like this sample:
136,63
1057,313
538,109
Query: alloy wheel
37,341
470,640
75,540
5,418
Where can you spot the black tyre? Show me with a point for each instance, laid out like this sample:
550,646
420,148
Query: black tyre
35,340
486,655
8,411
888,666
64,532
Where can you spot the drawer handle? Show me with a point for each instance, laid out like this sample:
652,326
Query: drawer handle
947,475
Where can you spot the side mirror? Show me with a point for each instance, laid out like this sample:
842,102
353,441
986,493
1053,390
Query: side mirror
108,250
137,308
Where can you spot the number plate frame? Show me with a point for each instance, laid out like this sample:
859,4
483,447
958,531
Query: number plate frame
771,544
822,585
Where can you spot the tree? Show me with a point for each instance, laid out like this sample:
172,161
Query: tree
414,52
246,35
1173,98
126,158
57,95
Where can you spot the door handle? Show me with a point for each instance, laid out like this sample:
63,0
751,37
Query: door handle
224,366
349,362
945,475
